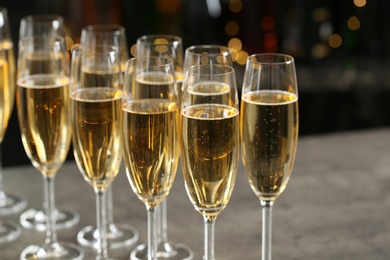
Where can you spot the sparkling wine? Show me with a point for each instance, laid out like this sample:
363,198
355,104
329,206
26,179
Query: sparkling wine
7,84
210,153
44,120
151,147
97,141
269,132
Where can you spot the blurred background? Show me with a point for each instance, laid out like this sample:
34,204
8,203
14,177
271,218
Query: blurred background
341,47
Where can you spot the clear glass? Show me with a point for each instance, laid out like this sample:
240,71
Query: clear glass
150,132
35,218
9,203
209,142
118,234
96,97
167,46
269,131
207,54
43,107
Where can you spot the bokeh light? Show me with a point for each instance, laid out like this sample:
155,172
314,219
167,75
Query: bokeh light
267,23
335,41
232,28
235,44
133,50
235,6
359,3
353,23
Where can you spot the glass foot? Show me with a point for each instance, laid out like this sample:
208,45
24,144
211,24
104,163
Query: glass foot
11,204
57,251
36,219
166,250
9,231
118,235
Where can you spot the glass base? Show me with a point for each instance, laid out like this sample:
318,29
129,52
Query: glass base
36,219
12,204
9,231
166,250
57,251
118,235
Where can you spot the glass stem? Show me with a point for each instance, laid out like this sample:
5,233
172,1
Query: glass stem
209,253
3,197
163,222
109,208
266,249
152,236
51,235
101,217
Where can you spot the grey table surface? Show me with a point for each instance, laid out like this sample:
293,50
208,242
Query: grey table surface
336,205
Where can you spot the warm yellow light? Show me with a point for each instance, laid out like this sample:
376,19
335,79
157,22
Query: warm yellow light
235,44
133,49
335,41
359,3
353,23
242,57
69,43
235,5
232,28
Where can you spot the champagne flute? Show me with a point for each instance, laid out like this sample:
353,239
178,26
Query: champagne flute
119,235
269,130
48,26
9,203
96,94
167,46
207,54
44,120
210,142
151,136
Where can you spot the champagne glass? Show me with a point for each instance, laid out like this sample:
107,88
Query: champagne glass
44,120
96,94
119,235
48,26
207,54
269,130
166,46
150,132
210,142
9,203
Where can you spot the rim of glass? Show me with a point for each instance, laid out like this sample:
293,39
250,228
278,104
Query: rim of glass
195,69
104,27
43,17
271,58
150,38
208,46
134,62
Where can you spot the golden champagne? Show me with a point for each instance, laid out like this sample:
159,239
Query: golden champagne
269,132
151,147
210,153
44,120
210,92
7,84
97,122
